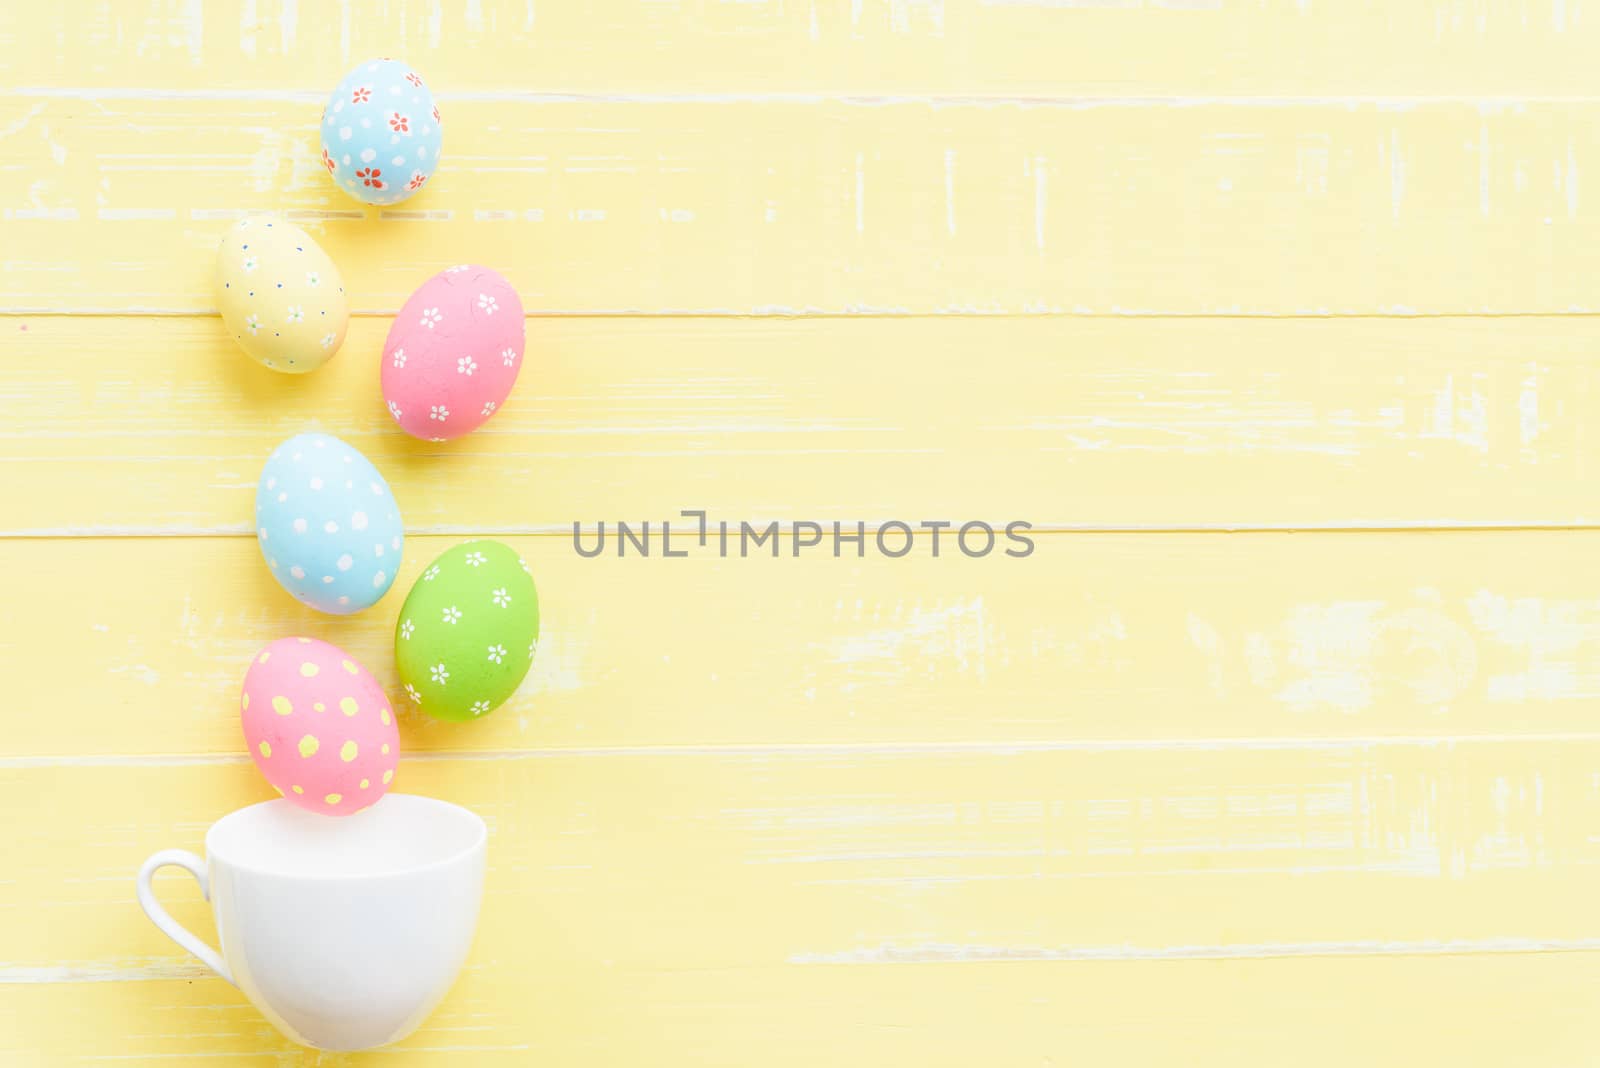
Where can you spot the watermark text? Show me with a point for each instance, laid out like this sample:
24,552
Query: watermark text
743,539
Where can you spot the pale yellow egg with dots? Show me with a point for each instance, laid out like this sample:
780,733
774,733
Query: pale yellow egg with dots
280,295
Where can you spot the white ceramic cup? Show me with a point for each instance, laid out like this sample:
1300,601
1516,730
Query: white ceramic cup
345,932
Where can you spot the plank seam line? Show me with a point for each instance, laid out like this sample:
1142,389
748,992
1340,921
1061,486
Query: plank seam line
1429,526
1058,102
938,953
944,953
802,750
820,314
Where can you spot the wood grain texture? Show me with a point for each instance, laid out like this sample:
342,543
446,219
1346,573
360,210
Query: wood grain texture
1117,47
1186,643
1143,272
146,425
797,206
700,861
1475,1011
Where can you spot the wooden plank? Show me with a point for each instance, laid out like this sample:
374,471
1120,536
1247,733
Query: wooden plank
111,425
796,206
1474,1011
960,46
1221,642
683,858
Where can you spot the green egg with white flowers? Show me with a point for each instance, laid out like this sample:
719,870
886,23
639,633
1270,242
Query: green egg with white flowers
468,631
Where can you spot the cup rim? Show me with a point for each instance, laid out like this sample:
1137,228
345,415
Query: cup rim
479,839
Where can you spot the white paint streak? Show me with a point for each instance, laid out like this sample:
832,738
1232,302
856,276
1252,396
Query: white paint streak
1340,653
968,953
1569,179
1122,5
1208,641
861,195
1551,646
435,24
288,24
1040,200
247,28
1529,425
94,972
143,672
1329,650
950,191
1397,174
1483,169
957,631
557,665
804,751
41,214
1459,415
194,35
132,214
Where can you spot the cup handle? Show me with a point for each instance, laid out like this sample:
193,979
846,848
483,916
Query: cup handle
170,927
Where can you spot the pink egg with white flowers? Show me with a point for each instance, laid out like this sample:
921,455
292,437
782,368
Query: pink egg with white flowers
453,353
319,726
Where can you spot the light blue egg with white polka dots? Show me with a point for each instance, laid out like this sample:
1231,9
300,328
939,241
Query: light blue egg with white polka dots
381,133
328,524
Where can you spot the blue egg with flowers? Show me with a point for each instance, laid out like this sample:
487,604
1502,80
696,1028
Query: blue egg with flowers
381,133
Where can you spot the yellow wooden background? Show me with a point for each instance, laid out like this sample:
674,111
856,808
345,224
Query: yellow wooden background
1282,316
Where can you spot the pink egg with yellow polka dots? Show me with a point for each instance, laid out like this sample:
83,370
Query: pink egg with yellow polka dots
453,353
319,726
